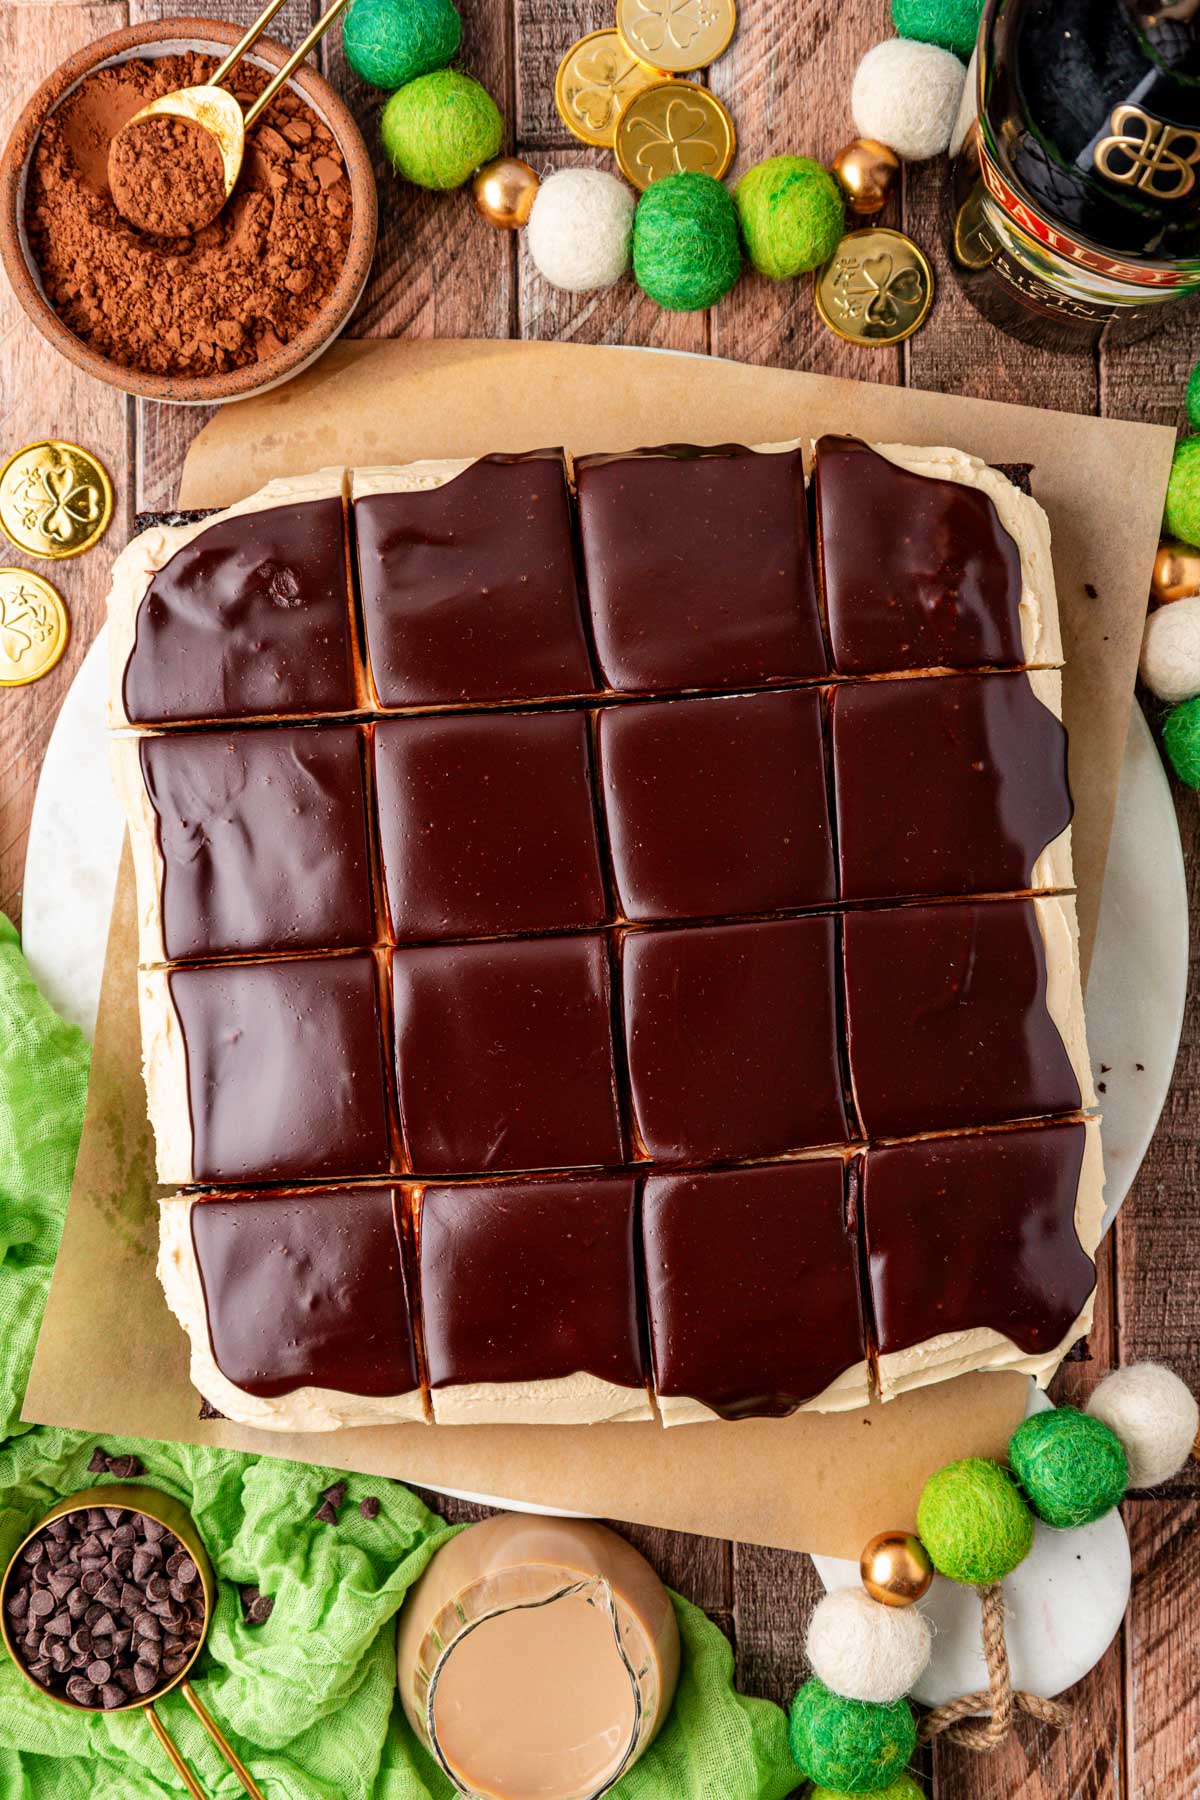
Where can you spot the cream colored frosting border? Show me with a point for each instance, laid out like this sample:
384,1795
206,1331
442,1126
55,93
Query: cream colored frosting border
846,1392
573,1400
963,1352
308,1408
148,868
1059,928
142,558
164,1068
1054,868
1025,522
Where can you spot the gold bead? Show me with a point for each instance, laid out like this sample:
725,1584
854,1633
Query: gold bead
1176,572
504,192
895,1568
865,171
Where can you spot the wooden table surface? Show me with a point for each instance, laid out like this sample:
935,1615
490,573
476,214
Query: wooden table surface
440,271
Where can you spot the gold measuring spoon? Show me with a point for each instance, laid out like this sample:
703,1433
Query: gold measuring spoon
175,1518
215,109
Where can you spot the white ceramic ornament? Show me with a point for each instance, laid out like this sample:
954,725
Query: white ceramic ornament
580,229
1155,1416
1170,664
866,1651
906,95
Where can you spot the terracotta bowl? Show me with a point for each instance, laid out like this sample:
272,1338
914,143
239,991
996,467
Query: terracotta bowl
162,38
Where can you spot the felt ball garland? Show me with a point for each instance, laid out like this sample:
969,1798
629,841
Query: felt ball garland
850,1728
441,129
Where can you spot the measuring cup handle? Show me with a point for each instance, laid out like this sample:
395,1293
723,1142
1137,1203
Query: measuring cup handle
165,1739
218,1737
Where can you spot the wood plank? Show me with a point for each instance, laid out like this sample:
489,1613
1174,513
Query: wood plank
786,81
774,1593
1163,1651
544,31
44,396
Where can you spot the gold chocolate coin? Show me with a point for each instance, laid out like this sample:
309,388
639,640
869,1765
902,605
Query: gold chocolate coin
595,79
55,499
876,288
33,627
675,126
676,35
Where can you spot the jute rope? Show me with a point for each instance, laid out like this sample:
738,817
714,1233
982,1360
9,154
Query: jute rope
1001,1700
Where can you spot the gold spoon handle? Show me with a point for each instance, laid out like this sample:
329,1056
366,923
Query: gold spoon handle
251,36
294,60
181,1769
217,1735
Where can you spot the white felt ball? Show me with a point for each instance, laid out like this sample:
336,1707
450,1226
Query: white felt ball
1170,664
865,1651
906,95
580,228
1152,1412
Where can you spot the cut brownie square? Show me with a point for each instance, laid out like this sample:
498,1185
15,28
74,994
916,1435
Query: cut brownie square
975,1252
468,584
249,840
487,824
717,806
529,1295
918,568
697,567
267,1071
963,1014
249,618
731,1039
753,1295
307,1289
504,1055
955,784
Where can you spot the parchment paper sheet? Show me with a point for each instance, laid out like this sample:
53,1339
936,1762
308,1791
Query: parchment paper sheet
110,1357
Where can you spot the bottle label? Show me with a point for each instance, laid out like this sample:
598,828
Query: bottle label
1144,152
1026,219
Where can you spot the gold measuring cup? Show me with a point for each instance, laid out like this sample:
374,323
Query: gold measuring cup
215,109
175,1517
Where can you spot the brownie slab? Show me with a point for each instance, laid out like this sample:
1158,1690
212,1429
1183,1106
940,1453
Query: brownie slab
504,1055
980,1250
962,1014
955,784
244,616
266,1071
468,584
717,806
487,824
731,1039
297,1292
697,567
530,1307
752,1290
253,840
919,569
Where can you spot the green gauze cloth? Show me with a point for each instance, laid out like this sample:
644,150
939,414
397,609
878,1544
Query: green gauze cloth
308,1697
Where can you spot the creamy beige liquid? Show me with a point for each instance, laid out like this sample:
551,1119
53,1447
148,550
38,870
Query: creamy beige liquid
537,1700
509,1663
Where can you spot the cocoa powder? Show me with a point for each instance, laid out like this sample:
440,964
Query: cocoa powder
166,175
222,297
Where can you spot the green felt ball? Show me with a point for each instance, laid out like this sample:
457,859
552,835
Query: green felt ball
973,1522
791,214
903,1788
389,42
852,1746
1181,740
954,24
438,129
1182,514
1193,398
1072,1467
685,242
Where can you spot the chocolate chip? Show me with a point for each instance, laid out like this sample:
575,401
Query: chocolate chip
81,1640
158,1587
114,1514
208,1410
326,1513
76,1603
99,1672
368,1506
41,1671
99,1462
61,1583
260,1609
124,1468
81,1691
59,1626
171,1665
111,1695
17,1604
33,1553
41,1603
187,1572
335,1494
103,1625
145,1678
152,1531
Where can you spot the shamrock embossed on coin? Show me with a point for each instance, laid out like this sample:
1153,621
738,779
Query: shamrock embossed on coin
33,627
676,35
671,127
877,288
595,79
55,499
